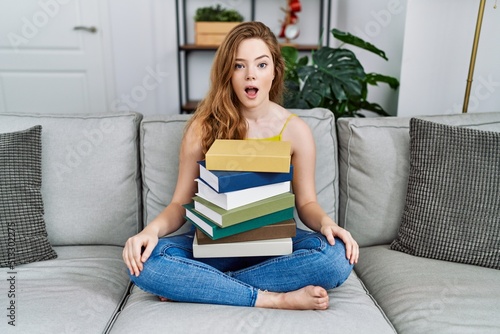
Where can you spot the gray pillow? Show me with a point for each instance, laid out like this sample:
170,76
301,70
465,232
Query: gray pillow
452,209
23,237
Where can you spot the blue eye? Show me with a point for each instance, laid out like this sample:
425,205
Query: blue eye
262,65
238,66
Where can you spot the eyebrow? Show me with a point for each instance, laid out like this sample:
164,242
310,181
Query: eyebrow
260,57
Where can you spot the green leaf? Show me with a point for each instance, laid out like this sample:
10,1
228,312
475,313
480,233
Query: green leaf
333,78
356,41
291,94
303,61
375,78
290,54
375,107
217,14
341,70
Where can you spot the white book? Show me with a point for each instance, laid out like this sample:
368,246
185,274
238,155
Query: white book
272,247
234,199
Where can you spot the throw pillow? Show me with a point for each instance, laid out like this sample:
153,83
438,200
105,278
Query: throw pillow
452,209
23,237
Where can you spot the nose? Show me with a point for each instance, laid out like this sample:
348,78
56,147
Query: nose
250,75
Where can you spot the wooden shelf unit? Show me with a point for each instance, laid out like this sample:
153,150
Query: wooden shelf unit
187,104
194,47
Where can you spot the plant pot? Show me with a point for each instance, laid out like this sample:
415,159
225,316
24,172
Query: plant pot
212,33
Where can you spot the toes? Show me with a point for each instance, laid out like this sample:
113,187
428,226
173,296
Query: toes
317,291
323,305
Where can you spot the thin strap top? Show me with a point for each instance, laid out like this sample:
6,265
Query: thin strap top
278,136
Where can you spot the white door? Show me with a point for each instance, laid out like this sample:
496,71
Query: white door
48,66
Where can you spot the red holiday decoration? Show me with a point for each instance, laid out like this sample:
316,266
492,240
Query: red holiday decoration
289,28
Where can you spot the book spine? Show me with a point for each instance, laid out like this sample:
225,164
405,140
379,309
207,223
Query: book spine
216,232
251,164
234,199
285,229
249,155
260,208
275,247
225,181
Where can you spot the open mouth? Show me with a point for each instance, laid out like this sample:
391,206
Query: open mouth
251,91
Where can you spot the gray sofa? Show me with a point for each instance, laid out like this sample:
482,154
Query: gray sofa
104,176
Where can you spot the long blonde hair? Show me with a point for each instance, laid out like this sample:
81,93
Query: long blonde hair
218,113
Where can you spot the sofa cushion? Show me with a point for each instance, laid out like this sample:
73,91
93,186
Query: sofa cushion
324,130
86,201
160,145
144,313
452,209
160,142
374,166
421,295
79,292
23,236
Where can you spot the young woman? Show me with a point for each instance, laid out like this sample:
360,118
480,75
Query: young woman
247,81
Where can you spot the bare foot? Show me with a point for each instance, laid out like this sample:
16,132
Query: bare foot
308,298
163,299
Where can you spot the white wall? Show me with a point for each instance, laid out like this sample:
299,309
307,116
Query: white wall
144,44
437,50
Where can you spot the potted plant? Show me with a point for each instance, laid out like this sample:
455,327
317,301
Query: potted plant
212,23
333,79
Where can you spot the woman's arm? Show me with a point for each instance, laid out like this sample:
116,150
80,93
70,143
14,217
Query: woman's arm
172,217
304,188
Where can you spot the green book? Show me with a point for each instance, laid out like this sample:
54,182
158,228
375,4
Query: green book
225,218
216,232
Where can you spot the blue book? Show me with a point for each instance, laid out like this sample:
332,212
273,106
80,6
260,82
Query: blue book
226,181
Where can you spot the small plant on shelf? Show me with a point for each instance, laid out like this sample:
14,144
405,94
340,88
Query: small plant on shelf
334,78
217,14
212,24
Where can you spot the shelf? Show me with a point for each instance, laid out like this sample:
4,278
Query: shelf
189,107
303,47
194,47
185,50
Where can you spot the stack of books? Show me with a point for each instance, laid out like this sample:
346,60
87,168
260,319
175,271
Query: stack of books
244,206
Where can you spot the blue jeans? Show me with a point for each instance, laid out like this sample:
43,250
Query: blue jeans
173,273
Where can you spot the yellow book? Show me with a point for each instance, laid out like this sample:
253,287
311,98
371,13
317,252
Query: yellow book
249,156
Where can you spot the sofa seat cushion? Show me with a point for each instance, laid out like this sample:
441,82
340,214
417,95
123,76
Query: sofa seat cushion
351,310
79,292
421,295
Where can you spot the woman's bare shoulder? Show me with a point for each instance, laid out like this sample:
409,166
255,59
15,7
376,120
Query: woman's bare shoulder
193,129
297,124
192,140
298,133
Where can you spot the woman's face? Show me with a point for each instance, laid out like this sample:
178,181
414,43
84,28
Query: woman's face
253,73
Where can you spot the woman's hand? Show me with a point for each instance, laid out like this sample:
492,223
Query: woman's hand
331,230
133,255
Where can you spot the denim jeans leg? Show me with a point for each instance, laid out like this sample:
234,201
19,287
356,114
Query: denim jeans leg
313,262
171,272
